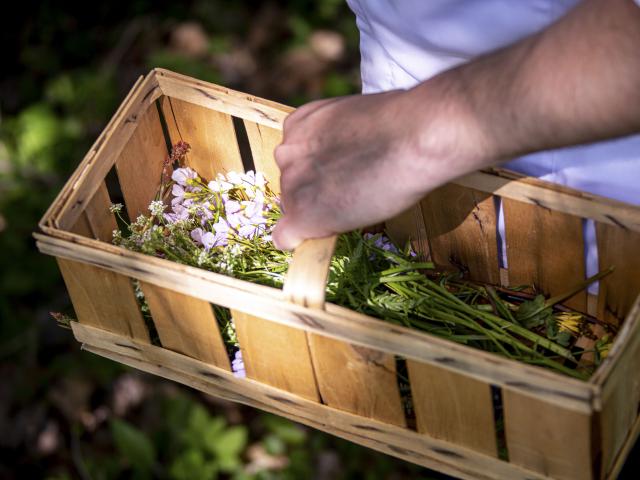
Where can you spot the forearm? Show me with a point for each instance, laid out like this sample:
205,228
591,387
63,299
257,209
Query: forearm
577,81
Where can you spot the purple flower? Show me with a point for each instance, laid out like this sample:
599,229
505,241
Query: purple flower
237,365
221,226
209,239
179,213
206,211
182,176
231,207
179,193
381,242
206,239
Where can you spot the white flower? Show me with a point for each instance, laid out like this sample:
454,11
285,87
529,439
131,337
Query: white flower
235,178
156,207
115,207
202,258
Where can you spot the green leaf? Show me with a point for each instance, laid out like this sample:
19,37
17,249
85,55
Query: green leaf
533,313
564,338
274,445
134,445
227,445
192,465
287,431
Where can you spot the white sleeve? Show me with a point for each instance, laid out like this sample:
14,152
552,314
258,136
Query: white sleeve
638,2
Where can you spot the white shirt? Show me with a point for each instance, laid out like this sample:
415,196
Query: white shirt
404,42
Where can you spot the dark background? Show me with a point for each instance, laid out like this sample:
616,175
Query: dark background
68,414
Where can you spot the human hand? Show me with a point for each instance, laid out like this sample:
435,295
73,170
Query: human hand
355,161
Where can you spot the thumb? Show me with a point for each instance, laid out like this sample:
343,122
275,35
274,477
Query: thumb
285,235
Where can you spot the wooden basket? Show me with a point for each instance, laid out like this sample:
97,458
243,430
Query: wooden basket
324,365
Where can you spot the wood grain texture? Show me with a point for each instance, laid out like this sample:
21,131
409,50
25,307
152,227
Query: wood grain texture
351,378
211,134
222,99
186,325
50,218
545,249
508,184
453,407
620,377
357,380
94,167
103,299
629,444
409,226
276,355
619,248
390,439
82,226
306,280
139,165
263,140
336,322
100,218
461,225
97,221
548,439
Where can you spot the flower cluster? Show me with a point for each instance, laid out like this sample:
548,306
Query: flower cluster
221,224
227,208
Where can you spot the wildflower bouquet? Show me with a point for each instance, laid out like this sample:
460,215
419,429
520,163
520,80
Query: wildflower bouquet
224,225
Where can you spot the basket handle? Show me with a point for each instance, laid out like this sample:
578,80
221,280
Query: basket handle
306,279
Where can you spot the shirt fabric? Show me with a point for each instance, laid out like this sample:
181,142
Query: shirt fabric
404,42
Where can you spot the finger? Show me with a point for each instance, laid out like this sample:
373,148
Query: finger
285,154
285,235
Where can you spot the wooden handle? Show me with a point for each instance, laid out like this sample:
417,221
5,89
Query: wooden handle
306,279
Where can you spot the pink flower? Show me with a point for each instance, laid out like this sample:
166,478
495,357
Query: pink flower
178,192
231,207
179,213
208,239
182,175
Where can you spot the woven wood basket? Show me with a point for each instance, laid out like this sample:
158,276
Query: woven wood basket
334,369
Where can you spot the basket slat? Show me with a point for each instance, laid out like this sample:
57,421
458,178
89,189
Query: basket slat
100,218
545,249
82,226
357,379
97,221
186,325
547,438
620,374
461,224
276,355
92,291
263,140
453,407
211,135
620,248
139,166
410,226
